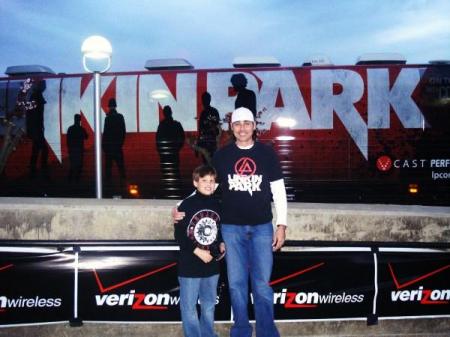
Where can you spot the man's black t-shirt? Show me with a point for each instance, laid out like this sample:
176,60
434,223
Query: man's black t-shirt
245,176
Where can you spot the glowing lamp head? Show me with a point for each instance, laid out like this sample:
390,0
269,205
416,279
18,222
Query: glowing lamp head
97,53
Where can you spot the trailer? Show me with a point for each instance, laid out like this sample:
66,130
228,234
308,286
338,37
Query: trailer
373,132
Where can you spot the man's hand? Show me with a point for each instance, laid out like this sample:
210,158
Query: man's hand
203,255
177,216
279,237
222,251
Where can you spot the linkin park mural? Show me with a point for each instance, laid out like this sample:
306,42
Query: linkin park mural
342,133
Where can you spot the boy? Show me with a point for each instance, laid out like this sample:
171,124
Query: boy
201,248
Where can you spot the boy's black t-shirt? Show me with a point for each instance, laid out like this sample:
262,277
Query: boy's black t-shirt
199,209
244,176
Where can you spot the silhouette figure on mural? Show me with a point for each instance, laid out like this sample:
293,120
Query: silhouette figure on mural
76,135
113,139
35,128
245,98
169,141
209,129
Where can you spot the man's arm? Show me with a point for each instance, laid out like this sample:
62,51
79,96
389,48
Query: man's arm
280,201
176,215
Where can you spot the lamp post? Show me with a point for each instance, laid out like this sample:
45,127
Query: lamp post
97,59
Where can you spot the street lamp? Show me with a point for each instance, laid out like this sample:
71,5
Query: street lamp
97,59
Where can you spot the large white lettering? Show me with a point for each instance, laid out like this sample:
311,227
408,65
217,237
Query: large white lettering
324,102
140,106
380,98
154,92
283,82
126,100
52,125
249,184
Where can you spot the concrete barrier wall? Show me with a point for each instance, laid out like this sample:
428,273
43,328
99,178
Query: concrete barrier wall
90,219
108,219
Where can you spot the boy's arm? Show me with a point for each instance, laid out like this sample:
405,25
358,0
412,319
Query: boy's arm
203,254
187,246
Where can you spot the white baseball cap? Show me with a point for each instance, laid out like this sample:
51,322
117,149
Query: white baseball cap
242,114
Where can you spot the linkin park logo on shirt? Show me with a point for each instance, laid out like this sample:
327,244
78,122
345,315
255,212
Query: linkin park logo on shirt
244,179
203,227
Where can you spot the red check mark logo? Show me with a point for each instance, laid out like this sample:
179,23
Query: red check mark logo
6,267
426,297
104,289
300,272
291,295
420,278
139,303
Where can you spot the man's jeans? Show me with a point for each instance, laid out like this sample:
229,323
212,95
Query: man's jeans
249,254
192,289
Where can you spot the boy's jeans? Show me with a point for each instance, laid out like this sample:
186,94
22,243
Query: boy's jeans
192,289
249,253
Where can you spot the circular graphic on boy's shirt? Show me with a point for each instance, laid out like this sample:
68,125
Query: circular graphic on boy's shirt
203,228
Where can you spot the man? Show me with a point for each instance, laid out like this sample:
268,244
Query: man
209,128
250,175
76,135
35,128
114,132
169,142
245,98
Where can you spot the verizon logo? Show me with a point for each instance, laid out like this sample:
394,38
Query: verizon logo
292,300
138,301
424,296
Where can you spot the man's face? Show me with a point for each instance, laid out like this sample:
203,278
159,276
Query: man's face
205,185
243,131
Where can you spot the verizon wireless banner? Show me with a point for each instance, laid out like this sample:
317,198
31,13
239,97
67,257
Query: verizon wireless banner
323,284
139,284
36,286
413,283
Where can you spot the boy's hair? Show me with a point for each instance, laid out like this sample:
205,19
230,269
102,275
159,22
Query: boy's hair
203,170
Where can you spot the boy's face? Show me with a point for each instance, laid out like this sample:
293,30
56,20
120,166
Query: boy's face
205,185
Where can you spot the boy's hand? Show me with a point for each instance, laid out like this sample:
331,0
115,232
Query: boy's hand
222,251
177,216
203,255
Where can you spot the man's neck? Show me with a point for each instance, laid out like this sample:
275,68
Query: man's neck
246,145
